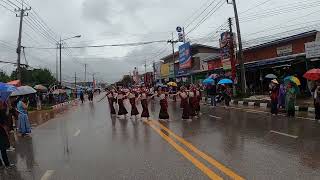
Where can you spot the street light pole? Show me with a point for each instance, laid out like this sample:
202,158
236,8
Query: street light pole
60,47
60,62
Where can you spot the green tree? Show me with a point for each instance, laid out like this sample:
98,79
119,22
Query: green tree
4,77
126,80
35,76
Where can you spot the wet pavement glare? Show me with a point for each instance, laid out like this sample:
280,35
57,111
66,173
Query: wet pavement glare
85,142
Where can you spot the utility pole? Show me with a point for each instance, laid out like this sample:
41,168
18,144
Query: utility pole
85,74
75,80
60,47
57,74
22,11
172,42
93,85
240,54
145,66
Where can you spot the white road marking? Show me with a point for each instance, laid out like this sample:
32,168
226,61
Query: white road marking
305,118
215,117
284,134
77,133
47,174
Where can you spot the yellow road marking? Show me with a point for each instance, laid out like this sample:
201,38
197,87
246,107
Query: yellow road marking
185,153
212,161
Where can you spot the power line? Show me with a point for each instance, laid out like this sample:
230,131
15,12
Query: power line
7,8
209,14
200,14
105,45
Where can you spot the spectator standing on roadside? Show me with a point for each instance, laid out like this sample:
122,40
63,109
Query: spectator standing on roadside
274,93
316,99
24,124
4,145
212,92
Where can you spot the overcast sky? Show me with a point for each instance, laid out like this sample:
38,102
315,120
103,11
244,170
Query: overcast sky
126,21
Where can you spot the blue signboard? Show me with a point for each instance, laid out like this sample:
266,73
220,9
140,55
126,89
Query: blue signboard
185,58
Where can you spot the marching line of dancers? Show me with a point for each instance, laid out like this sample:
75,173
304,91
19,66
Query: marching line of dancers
190,102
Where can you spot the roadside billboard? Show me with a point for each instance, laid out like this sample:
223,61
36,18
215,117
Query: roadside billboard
185,58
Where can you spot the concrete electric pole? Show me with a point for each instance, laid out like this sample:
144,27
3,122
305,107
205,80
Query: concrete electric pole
240,54
21,14
85,74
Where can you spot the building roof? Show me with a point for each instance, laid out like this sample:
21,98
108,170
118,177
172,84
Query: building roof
282,40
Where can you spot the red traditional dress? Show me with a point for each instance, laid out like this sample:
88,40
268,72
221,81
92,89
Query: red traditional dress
163,114
185,105
144,104
111,100
192,103
134,109
122,109
198,98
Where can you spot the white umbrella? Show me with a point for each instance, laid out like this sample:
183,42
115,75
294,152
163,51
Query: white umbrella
23,90
270,76
58,91
40,87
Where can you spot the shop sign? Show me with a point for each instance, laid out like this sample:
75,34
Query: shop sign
312,49
226,64
165,70
203,66
171,69
185,58
157,70
284,50
212,65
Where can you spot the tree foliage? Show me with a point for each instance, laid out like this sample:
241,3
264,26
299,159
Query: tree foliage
126,81
35,76
4,77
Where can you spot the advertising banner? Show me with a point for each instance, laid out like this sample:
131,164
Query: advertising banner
225,44
185,58
165,69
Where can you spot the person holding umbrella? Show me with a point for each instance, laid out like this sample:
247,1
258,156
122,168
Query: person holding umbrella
24,124
314,75
290,99
316,100
274,93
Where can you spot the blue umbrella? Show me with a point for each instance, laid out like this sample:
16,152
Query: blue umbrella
6,90
208,81
225,81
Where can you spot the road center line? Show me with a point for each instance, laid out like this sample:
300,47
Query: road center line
47,174
185,153
284,134
206,157
76,133
215,117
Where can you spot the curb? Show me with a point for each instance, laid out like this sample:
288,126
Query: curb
267,105
64,104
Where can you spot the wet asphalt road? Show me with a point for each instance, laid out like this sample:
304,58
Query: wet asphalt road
85,142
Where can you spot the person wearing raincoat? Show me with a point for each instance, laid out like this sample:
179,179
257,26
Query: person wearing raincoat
290,100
